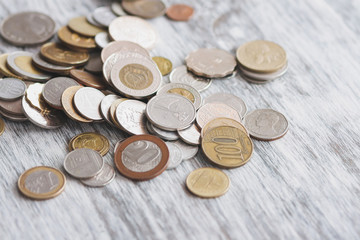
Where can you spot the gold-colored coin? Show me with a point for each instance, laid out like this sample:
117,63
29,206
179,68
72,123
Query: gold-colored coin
83,27
67,100
208,182
112,111
227,146
42,183
136,76
91,140
4,69
164,65
217,122
183,92
2,126
73,39
59,54
261,56
25,64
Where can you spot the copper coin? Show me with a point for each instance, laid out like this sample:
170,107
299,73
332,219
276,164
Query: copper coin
88,79
142,157
179,12
67,100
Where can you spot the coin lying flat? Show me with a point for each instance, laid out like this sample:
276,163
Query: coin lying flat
179,12
208,182
23,28
263,77
87,101
73,39
164,65
67,102
42,182
119,46
12,107
144,8
4,70
105,107
11,89
175,156
88,79
54,89
229,99
2,126
182,75
266,124
102,179
211,111
142,157
163,134
102,39
104,16
190,135
188,151
13,117
49,67
218,122
95,64
91,140
83,27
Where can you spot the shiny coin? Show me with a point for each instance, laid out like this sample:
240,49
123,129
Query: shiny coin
263,77
123,46
4,70
190,135
163,64
175,156
13,117
104,16
188,151
12,107
218,122
102,39
211,111
83,163
88,79
170,112
208,182
83,27
163,134
73,39
142,157
67,101
129,28
144,8
105,106
95,64
179,12
227,147
182,75
24,28
11,89
266,124
54,89
42,182
87,101
117,9
2,126
211,63
91,140
49,67
102,179
229,99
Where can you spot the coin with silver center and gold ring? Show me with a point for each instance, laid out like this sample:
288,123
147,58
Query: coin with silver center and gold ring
164,65
91,140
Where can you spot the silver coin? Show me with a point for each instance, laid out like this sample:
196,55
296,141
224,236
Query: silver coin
184,90
54,89
95,64
103,16
190,135
175,156
182,75
264,77
102,179
266,124
117,9
90,19
229,99
27,28
13,117
130,114
102,39
144,8
211,111
118,144
49,67
119,46
83,163
105,107
170,112
166,135
187,151
12,107
210,62
11,89
87,101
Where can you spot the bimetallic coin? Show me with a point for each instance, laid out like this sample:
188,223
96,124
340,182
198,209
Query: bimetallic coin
83,27
229,99
208,182
42,183
130,114
54,89
83,163
182,75
2,126
95,64
88,79
49,67
117,9
4,70
218,122
188,151
13,117
11,89
211,111
164,65
73,39
175,156
144,8
105,107
67,101
104,16
120,46
102,179
91,140
266,124
190,135
163,134
179,12
87,101
102,39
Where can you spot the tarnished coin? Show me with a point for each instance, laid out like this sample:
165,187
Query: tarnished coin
105,107
91,140
27,28
49,67
87,101
211,111
21,64
208,182
130,28
95,64
164,65
163,134
263,77
144,8
179,12
54,89
188,151
83,27
142,157
170,112
229,99
83,163
120,46
13,117
102,179
102,39
227,147
42,182
12,107
73,39
175,156
59,54
11,89
88,79
190,135
67,101
104,16
266,124
2,126
182,75
211,63
261,56
218,122
4,70
117,9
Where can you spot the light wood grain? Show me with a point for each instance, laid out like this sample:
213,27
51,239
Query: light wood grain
303,186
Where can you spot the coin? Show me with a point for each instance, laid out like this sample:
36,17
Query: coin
91,140
142,157
112,112
67,100
83,27
188,151
4,68
2,126
179,12
91,20
102,39
12,107
87,101
266,124
170,112
88,79
227,146
83,163
261,56
13,117
23,28
105,107
218,122
21,64
42,182
211,111
229,99
102,179
104,16
263,77
75,40
208,182
182,75
119,46
163,134
163,64
54,89
11,89
130,28
144,8
117,9
175,156
49,67
190,135
95,64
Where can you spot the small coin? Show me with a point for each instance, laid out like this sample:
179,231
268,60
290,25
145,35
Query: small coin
175,156
190,135
87,101
120,46
102,39
211,111
179,12
91,140
11,89
42,182
13,117
164,65
83,27
88,79
54,89
83,163
4,70
95,64
24,28
144,8
104,16
12,107
263,77
75,40
49,67
266,124
105,107
229,99
67,100
188,151
218,122
142,157
102,179
2,126
117,9
163,134
208,182
182,75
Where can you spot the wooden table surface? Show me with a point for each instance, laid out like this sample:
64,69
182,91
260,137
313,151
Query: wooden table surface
303,186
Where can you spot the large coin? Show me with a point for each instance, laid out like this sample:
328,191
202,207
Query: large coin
50,67
103,178
67,101
87,101
182,75
229,99
103,16
11,89
175,155
73,39
211,111
59,54
54,89
190,135
2,126
91,140
144,8
120,46
179,12
83,27
130,114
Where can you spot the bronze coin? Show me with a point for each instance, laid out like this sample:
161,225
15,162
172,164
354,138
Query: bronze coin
75,40
67,100
88,79
142,157
179,12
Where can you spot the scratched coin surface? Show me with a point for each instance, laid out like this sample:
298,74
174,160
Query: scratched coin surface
163,134
164,65
144,8
83,27
229,99
179,12
91,140
87,101
188,151
73,39
208,182
2,126
175,155
218,122
190,135
105,106
182,75
54,89
211,111
120,46
266,124
11,89
50,67
102,39
102,179
104,16
83,163
67,102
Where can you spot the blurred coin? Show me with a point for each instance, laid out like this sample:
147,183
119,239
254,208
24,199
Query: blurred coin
175,156
229,99
130,114
163,134
117,9
163,64
102,39
75,40
105,106
90,19
54,89
83,27
261,77
104,16
11,89
211,111
144,8
181,75
190,135
87,101
120,46
218,122
49,67
13,117
95,64
4,68
12,107
67,101
2,126
91,140
112,112
179,12
102,179
88,79
188,151
59,54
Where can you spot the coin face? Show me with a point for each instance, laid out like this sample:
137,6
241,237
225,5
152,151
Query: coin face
4,68
211,111
208,182
123,46
229,99
105,107
102,179
87,101
11,89
227,147
23,28
188,151
218,122
102,39
104,16
163,134
179,12
266,124
112,112
88,79
142,157
2,126
182,75
83,27
73,39
54,89
164,65
67,100
91,140
49,67
175,156
190,135
42,182
144,8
